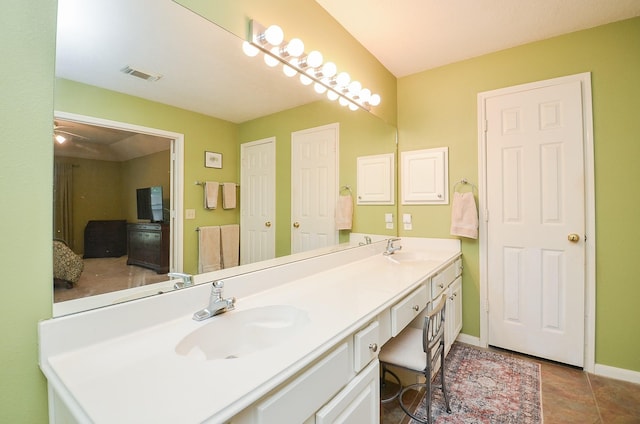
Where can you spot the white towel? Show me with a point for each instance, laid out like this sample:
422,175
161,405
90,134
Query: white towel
344,212
211,194
228,195
230,245
464,215
209,249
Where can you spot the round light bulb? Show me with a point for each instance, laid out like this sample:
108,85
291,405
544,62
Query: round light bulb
343,101
270,60
289,71
355,87
329,69
295,47
374,100
353,106
249,49
274,35
319,88
305,80
365,95
343,79
332,95
314,59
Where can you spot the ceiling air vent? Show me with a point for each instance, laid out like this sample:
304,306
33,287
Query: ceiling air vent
137,73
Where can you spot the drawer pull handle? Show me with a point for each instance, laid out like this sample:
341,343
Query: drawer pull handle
441,285
373,347
416,308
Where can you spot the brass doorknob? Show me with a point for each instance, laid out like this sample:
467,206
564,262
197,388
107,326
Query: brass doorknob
267,224
296,224
573,238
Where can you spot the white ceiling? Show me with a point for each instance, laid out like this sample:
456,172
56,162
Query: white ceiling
202,66
409,36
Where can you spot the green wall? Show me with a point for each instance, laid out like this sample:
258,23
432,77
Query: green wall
26,177
438,108
360,134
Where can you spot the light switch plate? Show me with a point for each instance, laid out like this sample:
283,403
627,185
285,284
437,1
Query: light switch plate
388,218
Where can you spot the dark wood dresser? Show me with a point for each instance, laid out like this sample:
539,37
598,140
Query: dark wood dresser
105,239
148,246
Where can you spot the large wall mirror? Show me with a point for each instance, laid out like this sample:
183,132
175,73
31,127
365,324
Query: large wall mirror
188,89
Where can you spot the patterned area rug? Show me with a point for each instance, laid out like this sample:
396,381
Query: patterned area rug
486,387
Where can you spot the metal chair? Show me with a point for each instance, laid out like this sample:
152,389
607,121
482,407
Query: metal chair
401,351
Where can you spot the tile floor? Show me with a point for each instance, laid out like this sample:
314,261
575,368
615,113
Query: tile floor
570,396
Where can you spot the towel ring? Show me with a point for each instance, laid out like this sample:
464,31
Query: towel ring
464,181
347,188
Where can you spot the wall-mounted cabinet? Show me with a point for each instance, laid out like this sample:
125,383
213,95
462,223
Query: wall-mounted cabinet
376,180
425,177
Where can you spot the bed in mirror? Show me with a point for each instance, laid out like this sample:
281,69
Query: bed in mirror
195,88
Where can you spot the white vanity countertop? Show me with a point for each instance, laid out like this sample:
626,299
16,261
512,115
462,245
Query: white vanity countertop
138,377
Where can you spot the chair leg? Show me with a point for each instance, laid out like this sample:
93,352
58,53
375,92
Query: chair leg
444,385
425,420
383,382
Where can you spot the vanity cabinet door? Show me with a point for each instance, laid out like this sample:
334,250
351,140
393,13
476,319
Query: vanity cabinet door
357,403
453,320
441,280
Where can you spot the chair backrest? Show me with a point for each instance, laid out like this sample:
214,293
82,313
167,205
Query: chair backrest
433,328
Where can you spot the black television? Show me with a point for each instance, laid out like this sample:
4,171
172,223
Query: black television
149,202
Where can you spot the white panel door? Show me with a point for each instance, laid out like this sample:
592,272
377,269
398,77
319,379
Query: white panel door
257,201
535,203
314,187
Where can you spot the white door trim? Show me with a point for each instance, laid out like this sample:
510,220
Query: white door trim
177,176
590,243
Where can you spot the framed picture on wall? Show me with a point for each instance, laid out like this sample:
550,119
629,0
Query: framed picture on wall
213,160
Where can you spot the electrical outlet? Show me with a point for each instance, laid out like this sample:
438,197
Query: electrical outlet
189,214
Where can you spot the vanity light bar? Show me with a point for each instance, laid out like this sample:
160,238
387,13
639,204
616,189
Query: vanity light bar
310,67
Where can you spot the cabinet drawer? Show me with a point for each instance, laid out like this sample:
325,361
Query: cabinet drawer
365,346
441,280
403,312
302,397
357,403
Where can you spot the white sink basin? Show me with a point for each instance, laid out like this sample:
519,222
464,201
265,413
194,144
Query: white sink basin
237,333
401,256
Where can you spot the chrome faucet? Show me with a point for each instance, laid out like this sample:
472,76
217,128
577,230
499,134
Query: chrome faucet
367,240
391,249
217,304
187,279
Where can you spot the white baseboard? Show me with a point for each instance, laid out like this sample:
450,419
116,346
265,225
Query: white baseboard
471,340
617,373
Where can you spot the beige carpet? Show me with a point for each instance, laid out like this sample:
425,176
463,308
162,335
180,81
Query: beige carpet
104,275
